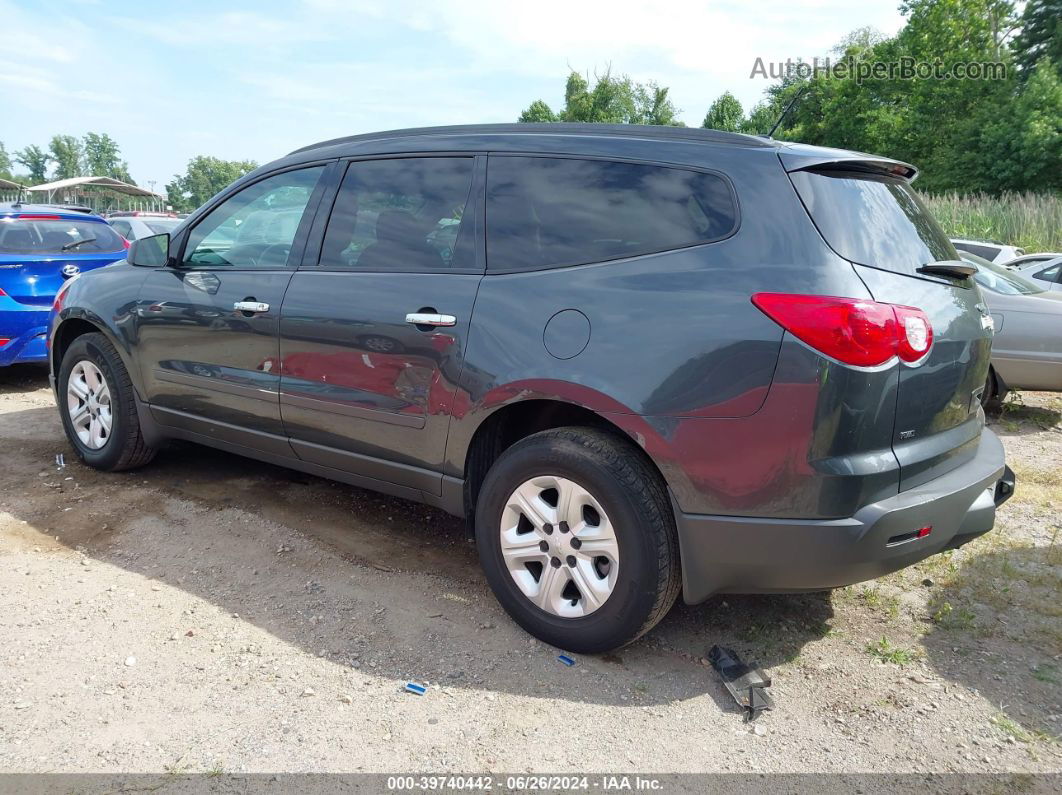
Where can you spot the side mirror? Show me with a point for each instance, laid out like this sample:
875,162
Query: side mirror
150,252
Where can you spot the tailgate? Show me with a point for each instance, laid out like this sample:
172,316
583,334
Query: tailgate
873,218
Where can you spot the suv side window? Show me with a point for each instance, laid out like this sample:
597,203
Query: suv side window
254,228
402,214
546,212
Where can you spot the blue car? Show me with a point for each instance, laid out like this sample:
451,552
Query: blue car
40,247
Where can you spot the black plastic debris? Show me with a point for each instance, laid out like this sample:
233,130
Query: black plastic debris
746,683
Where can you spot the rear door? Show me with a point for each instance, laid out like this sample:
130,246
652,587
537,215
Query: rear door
873,218
207,326
374,325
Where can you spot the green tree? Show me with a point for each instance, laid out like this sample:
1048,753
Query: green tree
725,114
103,157
5,163
1040,36
65,152
611,100
204,177
36,160
537,111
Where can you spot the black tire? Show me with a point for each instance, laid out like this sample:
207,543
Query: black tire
994,392
634,498
125,448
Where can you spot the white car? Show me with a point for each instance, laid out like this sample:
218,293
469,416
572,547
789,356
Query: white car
1047,273
134,227
991,250
1023,262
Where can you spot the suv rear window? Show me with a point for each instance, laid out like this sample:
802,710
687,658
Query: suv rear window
38,236
546,212
988,252
873,220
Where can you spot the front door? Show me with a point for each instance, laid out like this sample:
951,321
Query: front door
373,328
208,325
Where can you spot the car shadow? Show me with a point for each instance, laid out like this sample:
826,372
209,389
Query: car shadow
23,378
996,630
388,585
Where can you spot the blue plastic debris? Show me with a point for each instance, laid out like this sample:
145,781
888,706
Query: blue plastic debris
413,687
564,658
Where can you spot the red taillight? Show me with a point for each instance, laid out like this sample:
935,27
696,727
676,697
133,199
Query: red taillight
2,292
4,341
37,217
924,531
125,243
855,331
916,333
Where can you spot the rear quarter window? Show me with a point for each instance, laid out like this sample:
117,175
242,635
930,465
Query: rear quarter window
548,212
873,220
57,236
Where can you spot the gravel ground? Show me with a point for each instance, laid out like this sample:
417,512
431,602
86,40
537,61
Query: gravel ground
209,613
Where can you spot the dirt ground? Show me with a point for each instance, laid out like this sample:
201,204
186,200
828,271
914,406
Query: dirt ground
209,613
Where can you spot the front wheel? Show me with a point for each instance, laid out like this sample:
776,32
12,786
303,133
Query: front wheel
576,537
98,408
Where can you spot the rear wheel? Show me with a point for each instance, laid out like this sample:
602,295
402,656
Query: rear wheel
576,536
97,406
994,391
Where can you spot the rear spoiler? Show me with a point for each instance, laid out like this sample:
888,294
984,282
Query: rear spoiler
815,159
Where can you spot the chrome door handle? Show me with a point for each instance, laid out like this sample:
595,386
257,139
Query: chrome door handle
430,319
250,306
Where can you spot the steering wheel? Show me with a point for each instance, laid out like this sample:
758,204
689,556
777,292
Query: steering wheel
267,253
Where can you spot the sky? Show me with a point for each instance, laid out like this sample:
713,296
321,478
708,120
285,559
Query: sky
254,80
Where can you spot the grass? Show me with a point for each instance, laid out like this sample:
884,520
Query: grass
1030,220
886,651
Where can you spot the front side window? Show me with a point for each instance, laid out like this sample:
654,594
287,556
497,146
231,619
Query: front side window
406,214
545,212
256,227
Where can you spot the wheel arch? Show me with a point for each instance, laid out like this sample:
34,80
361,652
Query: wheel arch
74,325
508,423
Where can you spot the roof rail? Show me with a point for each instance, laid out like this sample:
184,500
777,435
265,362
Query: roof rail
555,128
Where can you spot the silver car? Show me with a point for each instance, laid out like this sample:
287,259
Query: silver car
134,227
1047,273
1027,347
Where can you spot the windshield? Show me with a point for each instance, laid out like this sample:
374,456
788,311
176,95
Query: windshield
999,279
56,236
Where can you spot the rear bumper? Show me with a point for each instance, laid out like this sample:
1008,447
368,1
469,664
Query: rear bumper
748,555
28,333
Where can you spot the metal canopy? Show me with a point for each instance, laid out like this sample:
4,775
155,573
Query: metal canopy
101,182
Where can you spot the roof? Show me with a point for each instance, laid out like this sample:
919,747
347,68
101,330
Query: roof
103,182
631,140
6,184
25,208
558,128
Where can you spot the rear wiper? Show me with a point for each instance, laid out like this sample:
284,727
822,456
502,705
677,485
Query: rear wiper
75,243
955,268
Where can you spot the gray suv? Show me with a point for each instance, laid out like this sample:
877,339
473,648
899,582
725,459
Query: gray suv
639,360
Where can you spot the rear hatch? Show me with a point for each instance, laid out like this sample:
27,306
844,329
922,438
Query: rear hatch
39,251
869,214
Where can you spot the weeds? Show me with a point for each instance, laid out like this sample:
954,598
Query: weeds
886,651
949,618
1030,220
